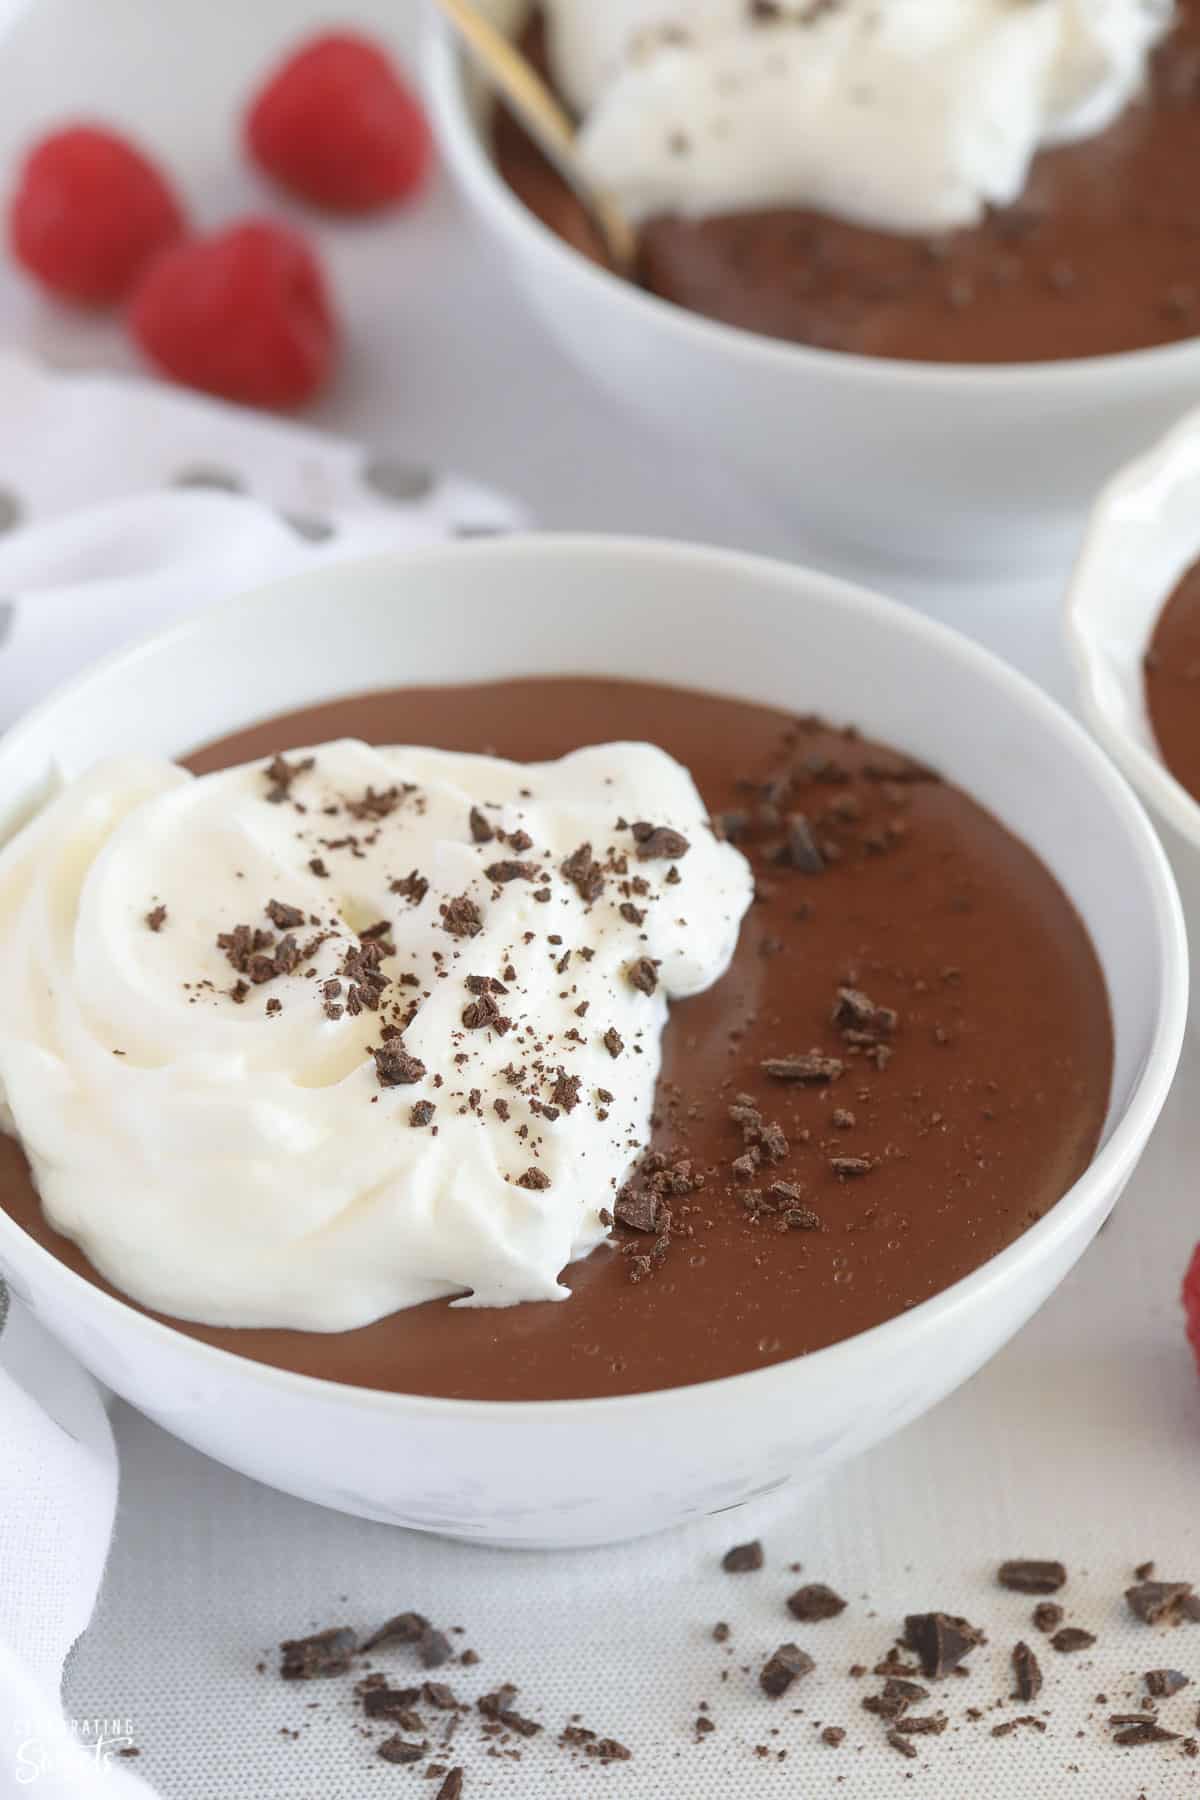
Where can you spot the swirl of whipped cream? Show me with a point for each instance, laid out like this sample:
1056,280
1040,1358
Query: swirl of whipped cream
904,115
305,1044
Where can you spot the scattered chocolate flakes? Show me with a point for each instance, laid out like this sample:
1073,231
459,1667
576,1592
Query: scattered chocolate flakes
411,887
584,873
156,918
396,1068
461,917
280,775
1026,1576
317,866
325,1653
813,1069
1027,1672
940,1641
422,1113
1011,1725
833,1735
505,871
286,917
703,1725
1072,1638
814,1602
743,1559
1145,1732
452,1787
613,1042
393,1703
401,1628
1144,1571
402,1750
632,915
787,1665
720,1632
642,975
1164,1682
566,1091
481,831
536,1179
1159,1602
484,1014
657,842
1048,1616
899,1742
799,849
924,1725
851,1168
434,1648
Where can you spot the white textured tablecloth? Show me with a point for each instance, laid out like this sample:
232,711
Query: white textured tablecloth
1082,1440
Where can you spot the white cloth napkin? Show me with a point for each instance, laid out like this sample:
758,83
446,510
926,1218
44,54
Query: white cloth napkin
125,506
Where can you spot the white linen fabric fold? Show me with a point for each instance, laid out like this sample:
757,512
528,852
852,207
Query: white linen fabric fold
126,506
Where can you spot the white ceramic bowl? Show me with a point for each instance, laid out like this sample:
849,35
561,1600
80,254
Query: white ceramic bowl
928,462
583,1472
1144,534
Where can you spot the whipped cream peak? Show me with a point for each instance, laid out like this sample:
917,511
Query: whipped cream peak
903,115
298,1044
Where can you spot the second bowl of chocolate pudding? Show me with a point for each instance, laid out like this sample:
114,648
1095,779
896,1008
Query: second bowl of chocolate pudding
1132,623
359,957
942,392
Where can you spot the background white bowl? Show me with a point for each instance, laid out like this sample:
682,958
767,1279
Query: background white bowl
1144,534
590,1471
984,467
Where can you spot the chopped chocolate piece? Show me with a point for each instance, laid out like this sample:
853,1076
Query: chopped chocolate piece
848,1168
280,775
411,887
317,866
485,984
396,1068
813,1069
402,1628
1048,1616
656,842
481,831
642,975
284,916
401,1750
1159,1602
703,1726
566,1091
584,873
637,1210
899,1742
1144,1571
508,870
799,849
815,1601
743,1559
422,1112
632,915
613,1042
452,1787
745,1167
1025,1576
1164,1682
438,1694
1011,1725
536,1179
156,918
434,1648
900,770
607,1750
461,917
924,1725
720,1632
1072,1638
1027,1671
391,1703
787,1664
325,1653
860,1020
1146,1732
495,1705
940,1640
833,1735
484,1014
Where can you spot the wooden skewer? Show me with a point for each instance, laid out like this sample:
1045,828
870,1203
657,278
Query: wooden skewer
545,119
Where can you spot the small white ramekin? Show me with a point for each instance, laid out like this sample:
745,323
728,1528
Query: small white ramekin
1144,534
952,463
578,1472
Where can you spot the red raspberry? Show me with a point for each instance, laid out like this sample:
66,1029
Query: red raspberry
1191,1302
338,125
89,212
244,313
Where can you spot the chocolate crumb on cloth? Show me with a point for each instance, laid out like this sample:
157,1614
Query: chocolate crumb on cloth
743,1559
1025,1576
786,1665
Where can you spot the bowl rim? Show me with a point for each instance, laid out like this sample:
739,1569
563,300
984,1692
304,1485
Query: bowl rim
464,149
1145,482
1100,1182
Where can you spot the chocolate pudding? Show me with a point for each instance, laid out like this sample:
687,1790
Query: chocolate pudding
906,1065
1172,673
1101,254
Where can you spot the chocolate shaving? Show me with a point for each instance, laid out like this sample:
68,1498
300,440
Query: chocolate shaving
156,918
637,1211
401,1628
899,1742
1027,1672
613,1042
280,775
1072,1638
799,849
584,873
481,831
813,1069
1026,1576
411,887
642,975
324,1653
396,1068
401,1750
656,842
452,1787
286,917
923,1725
787,1665
535,1179
461,917
1011,1725
1146,1732
508,870
849,1168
